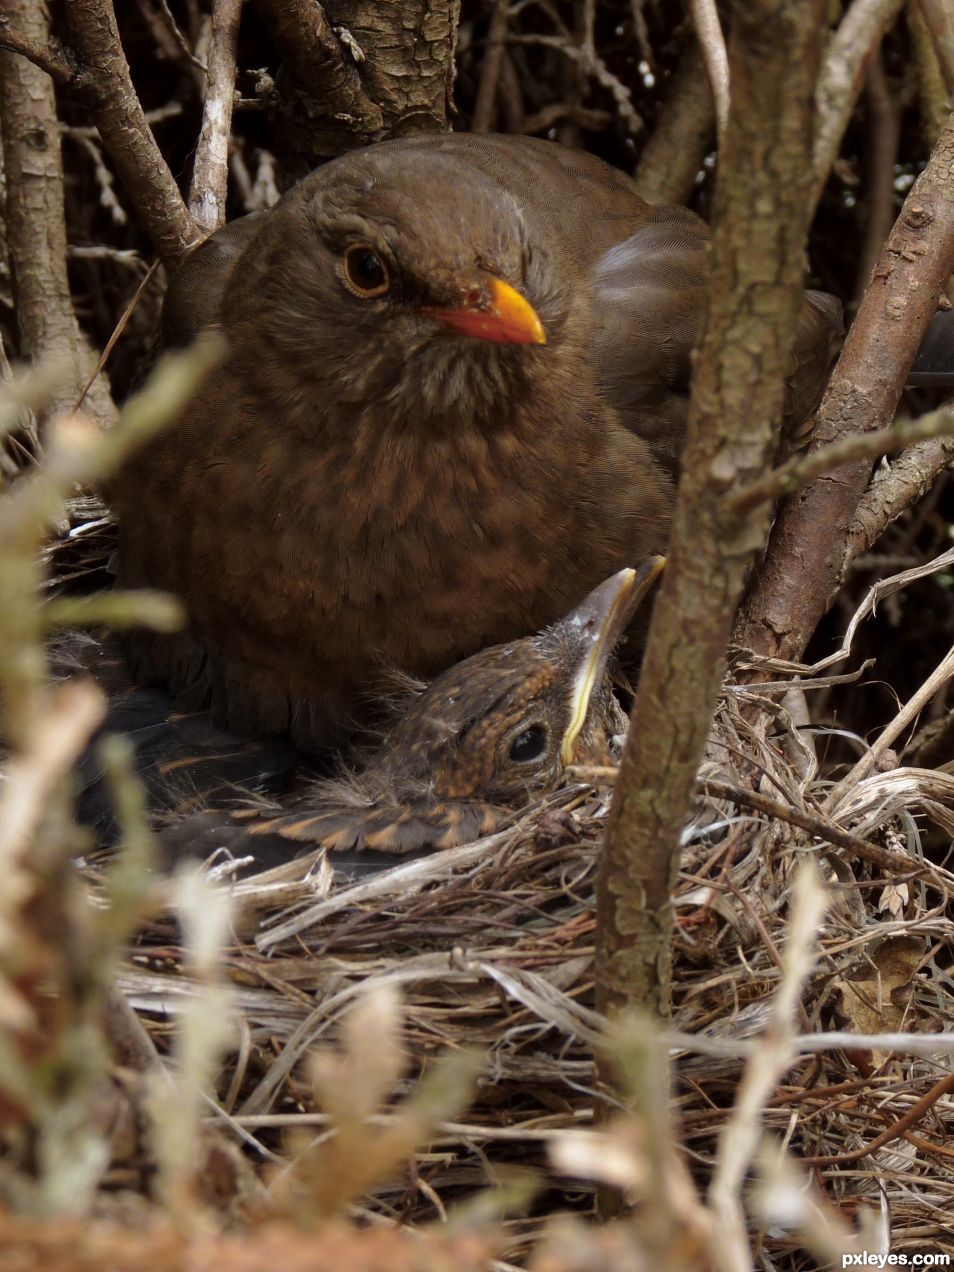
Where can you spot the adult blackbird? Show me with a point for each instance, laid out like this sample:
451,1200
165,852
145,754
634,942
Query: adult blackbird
454,400
480,741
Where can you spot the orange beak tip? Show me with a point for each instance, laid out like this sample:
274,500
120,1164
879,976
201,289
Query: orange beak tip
508,319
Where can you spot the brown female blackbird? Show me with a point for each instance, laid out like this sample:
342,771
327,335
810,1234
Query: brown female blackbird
481,740
454,400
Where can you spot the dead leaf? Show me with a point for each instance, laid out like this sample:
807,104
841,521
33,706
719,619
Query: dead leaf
876,995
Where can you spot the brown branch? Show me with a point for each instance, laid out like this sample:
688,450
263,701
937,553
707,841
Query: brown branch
210,172
882,139
318,66
932,91
939,20
682,137
486,99
906,482
312,54
852,47
895,1130
118,114
36,219
893,863
807,558
705,20
755,292
356,71
47,56
800,470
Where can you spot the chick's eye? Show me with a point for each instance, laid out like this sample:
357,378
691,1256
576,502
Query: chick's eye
365,272
529,745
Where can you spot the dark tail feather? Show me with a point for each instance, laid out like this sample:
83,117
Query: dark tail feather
184,761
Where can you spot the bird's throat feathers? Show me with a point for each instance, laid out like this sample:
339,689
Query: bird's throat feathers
431,387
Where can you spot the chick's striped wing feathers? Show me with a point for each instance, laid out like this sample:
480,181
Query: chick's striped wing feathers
358,840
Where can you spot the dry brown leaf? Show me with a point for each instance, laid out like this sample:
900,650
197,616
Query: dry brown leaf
876,997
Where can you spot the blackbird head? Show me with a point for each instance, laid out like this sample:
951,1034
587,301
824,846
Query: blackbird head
408,283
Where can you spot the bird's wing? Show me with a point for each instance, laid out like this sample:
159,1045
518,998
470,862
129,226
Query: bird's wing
650,295
194,297
649,299
360,840
818,338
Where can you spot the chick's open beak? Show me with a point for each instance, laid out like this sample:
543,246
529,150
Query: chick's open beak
494,312
602,619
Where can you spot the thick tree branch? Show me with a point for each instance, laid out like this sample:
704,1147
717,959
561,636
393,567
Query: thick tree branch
806,562
122,124
758,247
319,66
355,71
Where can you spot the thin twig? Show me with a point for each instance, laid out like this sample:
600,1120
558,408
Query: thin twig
896,1129
843,72
906,716
705,19
118,331
800,470
823,828
816,824
48,57
210,172
486,98
894,489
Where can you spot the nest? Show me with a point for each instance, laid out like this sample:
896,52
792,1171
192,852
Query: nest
491,946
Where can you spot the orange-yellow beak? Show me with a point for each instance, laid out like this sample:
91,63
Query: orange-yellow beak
497,312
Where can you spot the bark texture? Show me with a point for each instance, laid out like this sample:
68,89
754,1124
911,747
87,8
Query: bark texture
809,551
757,263
356,71
122,124
35,218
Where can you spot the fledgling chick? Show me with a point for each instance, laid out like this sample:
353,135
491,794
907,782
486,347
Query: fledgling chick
480,741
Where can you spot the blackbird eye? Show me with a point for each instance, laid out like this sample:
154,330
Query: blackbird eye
529,745
365,272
